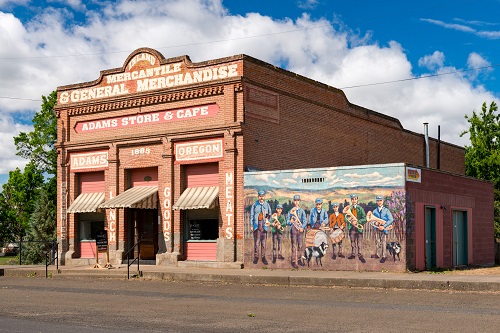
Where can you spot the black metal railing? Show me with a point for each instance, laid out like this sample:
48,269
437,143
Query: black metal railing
132,250
53,253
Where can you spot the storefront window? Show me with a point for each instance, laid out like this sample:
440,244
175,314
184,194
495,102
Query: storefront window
89,229
203,230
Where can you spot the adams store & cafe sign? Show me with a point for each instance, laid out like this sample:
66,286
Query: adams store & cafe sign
149,75
149,118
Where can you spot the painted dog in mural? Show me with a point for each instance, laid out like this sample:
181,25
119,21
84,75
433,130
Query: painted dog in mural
317,252
394,249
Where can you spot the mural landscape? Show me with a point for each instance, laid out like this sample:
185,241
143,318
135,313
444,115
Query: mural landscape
343,218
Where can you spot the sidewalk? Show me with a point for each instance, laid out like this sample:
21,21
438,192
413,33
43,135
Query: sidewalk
424,280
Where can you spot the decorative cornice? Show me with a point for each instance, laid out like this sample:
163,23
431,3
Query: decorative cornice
144,101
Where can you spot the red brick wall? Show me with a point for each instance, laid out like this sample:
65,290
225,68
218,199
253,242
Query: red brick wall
294,122
448,192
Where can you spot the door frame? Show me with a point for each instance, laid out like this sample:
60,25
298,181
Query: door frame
133,229
430,229
460,233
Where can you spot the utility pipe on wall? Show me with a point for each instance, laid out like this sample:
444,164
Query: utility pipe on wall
439,148
426,131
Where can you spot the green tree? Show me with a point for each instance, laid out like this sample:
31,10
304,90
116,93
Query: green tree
7,227
38,145
42,228
20,193
482,157
18,199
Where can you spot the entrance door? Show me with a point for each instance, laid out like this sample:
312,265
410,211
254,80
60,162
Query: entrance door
460,244
145,227
430,237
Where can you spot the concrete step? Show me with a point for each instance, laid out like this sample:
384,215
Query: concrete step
209,264
141,262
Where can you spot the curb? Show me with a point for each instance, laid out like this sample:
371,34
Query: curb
326,282
256,279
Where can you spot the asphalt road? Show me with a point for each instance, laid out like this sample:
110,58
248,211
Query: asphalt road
102,305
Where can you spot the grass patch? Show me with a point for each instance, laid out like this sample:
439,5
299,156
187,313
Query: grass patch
439,270
9,260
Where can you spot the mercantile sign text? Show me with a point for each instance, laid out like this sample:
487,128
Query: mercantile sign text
146,79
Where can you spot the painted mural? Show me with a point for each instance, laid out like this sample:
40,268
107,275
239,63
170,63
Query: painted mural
343,218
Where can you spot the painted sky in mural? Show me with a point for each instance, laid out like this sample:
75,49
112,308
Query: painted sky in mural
341,180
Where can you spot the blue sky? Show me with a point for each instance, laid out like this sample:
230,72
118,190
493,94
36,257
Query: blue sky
455,28
424,61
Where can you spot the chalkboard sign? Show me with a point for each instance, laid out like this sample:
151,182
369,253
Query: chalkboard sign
195,231
102,241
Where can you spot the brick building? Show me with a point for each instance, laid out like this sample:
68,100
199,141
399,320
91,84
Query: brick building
157,150
453,221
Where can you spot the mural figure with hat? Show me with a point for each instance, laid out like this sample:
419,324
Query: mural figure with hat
259,219
296,218
355,217
382,222
318,217
337,226
278,224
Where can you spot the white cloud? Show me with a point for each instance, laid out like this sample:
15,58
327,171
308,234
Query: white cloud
385,181
432,61
453,26
307,4
331,178
479,23
489,34
51,49
75,4
8,158
288,181
265,177
8,3
465,28
476,65
301,174
363,176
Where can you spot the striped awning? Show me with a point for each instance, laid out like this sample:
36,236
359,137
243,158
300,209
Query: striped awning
86,203
197,198
145,197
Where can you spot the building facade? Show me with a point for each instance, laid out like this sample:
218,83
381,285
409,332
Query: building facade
405,218
157,151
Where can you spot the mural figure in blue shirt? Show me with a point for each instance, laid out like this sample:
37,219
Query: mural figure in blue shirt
296,219
381,220
318,217
259,219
